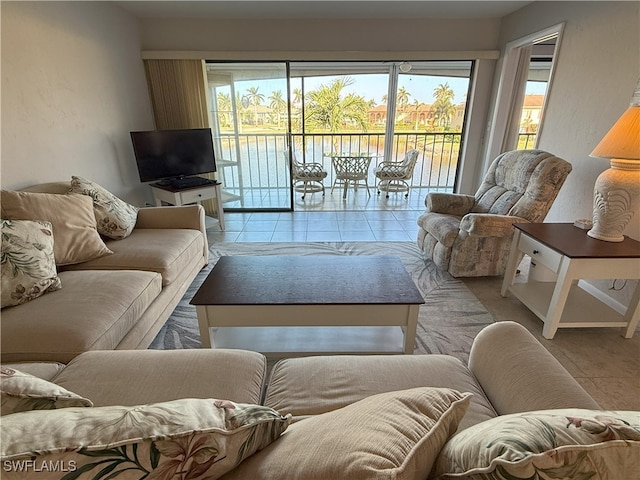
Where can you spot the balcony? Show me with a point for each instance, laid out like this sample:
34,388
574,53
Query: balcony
255,171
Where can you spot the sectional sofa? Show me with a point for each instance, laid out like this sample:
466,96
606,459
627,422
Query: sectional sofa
512,411
114,294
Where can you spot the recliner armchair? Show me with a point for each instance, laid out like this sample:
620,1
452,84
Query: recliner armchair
470,236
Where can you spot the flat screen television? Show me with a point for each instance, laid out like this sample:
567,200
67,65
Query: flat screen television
169,155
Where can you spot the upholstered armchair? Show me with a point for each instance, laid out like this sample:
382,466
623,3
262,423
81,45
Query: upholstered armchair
470,236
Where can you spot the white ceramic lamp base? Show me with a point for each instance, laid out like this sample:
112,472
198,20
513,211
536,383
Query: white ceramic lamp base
615,197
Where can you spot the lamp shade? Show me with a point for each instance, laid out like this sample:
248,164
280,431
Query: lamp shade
623,139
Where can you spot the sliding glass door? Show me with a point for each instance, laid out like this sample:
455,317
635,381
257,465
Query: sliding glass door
381,109
250,123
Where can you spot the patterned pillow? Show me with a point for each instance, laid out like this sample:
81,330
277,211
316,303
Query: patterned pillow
393,435
115,218
567,443
188,438
20,392
28,263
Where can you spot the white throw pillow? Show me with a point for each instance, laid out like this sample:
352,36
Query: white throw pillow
565,443
115,218
28,263
20,392
188,438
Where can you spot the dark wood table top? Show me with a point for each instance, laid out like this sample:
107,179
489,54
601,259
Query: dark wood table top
575,243
307,280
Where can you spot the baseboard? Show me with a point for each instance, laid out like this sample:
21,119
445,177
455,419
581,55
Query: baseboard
603,297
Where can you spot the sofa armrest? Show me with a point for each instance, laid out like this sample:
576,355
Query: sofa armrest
518,374
187,216
489,225
449,203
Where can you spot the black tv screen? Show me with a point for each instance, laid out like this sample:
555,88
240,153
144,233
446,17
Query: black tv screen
167,154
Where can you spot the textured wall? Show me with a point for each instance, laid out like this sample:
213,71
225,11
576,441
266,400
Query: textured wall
73,87
597,70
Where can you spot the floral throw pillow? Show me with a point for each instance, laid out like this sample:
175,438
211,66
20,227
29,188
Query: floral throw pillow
188,438
20,392
115,218
28,262
546,444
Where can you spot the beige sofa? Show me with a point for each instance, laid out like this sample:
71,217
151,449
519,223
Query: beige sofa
114,302
508,372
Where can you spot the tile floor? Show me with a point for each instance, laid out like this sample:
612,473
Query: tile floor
329,218
602,361
326,226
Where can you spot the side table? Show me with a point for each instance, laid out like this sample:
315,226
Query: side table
184,196
570,253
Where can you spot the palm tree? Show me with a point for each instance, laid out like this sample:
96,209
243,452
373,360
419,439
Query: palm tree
278,104
254,98
224,108
403,98
443,107
417,104
328,109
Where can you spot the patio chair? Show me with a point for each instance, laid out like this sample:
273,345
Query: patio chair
394,176
306,177
470,236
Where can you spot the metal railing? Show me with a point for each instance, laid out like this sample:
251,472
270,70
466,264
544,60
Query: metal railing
526,141
257,160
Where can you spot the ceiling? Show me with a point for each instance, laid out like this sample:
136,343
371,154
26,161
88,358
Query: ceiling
327,9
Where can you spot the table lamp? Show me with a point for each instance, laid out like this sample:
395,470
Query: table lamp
617,190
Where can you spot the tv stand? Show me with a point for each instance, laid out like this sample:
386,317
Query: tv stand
173,195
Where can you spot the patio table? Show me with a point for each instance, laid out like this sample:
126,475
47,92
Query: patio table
351,169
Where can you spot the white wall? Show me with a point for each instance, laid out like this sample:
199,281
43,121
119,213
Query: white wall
597,69
319,35
73,86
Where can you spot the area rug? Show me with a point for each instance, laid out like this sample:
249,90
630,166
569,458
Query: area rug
448,321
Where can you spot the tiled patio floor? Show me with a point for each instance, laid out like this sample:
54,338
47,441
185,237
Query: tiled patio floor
331,218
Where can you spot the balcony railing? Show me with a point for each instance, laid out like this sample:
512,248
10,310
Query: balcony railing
526,141
257,161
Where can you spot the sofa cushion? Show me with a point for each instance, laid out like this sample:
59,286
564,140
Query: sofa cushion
20,392
28,265
163,375
93,311
166,251
188,438
569,443
315,385
392,435
73,221
115,218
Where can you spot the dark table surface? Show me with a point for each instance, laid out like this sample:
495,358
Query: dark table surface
307,279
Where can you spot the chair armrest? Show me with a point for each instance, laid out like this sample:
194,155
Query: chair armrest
518,374
449,203
489,225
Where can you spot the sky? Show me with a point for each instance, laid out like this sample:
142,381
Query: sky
374,86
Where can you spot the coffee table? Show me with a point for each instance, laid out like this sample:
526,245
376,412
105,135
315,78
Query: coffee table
309,304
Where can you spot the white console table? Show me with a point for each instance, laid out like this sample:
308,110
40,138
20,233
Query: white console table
184,196
572,255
